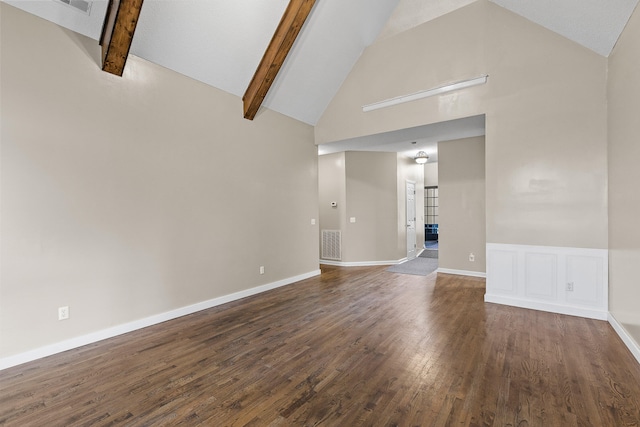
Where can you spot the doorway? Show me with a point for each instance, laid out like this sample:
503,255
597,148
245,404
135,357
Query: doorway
431,217
411,219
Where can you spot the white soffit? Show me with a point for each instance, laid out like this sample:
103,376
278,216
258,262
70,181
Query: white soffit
426,138
595,24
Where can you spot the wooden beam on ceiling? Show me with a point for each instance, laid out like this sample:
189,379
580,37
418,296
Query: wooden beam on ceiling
117,34
277,51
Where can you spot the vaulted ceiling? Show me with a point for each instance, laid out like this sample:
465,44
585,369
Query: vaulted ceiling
221,42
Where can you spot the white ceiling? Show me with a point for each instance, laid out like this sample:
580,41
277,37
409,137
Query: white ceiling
595,24
221,42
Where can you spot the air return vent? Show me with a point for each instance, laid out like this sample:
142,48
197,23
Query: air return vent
331,245
81,5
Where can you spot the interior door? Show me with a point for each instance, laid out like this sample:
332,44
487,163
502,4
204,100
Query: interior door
411,220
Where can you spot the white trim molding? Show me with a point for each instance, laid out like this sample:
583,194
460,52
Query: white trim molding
628,340
463,84
563,280
462,272
362,263
48,350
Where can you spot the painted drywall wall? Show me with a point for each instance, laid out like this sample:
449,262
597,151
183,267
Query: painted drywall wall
409,170
127,197
624,176
372,200
545,106
369,187
431,174
332,187
461,198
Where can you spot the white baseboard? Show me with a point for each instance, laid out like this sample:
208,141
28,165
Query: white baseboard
628,340
361,263
462,272
93,337
550,307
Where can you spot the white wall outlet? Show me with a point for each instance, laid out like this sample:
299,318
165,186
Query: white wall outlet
313,221
570,286
262,269
63,313
472,257
352,219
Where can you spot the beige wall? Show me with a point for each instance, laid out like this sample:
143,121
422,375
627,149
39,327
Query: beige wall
369,186
461,199
128,197
431,174
624,178
545,106
372,200
332,188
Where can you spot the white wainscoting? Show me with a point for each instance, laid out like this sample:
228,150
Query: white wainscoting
538,277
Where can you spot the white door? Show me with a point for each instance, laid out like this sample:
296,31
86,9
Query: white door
411,220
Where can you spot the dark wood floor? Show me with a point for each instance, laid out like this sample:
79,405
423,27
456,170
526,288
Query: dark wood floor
355,346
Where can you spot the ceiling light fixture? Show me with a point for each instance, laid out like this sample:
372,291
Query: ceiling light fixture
421,158
425,93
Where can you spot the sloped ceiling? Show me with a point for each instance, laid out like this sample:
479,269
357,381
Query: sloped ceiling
221,42
595,24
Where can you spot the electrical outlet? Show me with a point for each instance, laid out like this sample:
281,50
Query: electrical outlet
262,269
63,313
570,286
472,257
352,219
313,221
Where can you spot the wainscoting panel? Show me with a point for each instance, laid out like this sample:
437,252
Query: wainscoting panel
570,281
541,276
502,267
588,271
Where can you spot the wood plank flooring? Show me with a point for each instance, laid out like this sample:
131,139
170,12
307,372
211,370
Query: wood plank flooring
354,346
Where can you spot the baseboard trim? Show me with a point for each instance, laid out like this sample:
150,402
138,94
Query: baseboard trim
70,344
462,272
552,308
628,340
362,263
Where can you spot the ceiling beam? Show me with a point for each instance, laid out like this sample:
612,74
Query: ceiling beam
281,42
117,34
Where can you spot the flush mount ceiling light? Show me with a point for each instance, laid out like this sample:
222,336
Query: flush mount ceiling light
425,93
421,158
